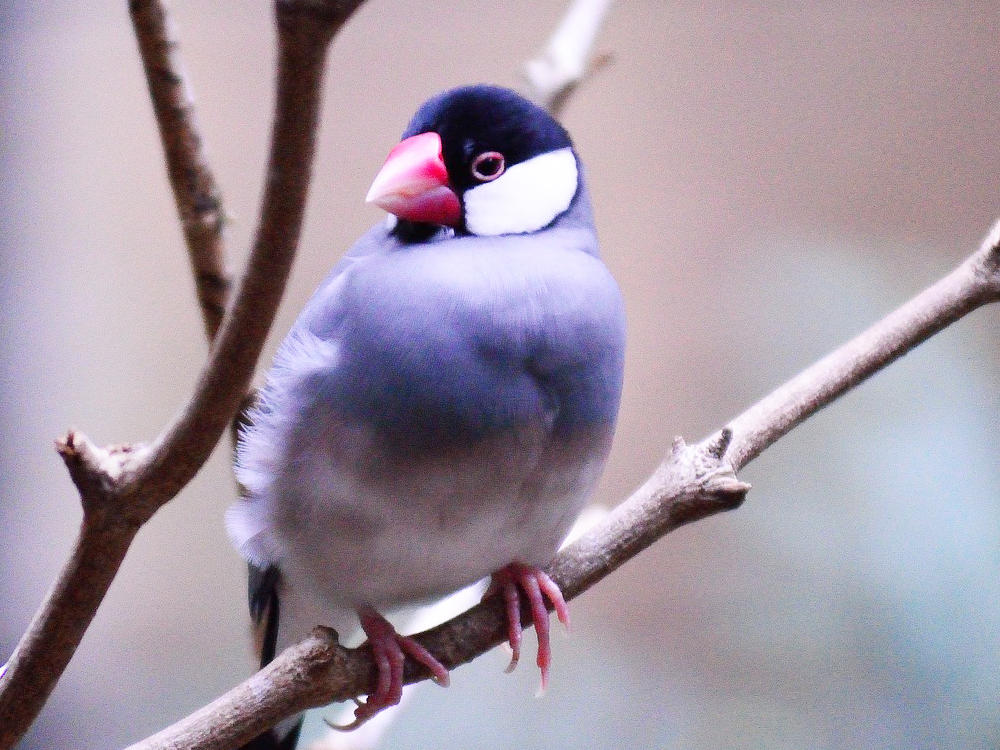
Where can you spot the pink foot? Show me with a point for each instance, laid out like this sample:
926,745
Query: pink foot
390,649
536,585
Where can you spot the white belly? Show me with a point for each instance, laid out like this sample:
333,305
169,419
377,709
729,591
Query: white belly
358,525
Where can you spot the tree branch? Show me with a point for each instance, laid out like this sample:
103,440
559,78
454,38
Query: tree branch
692,483
973,284
122,488
305,29
566,60
196,193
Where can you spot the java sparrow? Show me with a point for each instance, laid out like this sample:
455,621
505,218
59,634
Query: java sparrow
445,403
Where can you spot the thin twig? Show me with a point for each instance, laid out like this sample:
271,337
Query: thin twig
692,483
122,489
196,193
973,284
566,60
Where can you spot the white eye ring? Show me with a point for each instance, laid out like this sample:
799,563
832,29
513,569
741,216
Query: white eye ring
494,163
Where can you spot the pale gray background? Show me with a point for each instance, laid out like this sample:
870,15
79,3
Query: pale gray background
769,178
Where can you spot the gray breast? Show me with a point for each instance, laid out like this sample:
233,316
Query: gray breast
467,339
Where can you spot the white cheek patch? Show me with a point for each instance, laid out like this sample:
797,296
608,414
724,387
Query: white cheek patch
525,198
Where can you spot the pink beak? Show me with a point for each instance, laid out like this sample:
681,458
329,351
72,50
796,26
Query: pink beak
413,183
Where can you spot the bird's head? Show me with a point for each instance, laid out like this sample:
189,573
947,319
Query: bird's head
481,160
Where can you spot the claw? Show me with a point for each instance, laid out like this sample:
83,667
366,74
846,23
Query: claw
537,587
389,650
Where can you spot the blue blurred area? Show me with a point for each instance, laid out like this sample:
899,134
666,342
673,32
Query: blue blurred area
768,181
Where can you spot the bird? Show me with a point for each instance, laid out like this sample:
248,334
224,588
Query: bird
444,405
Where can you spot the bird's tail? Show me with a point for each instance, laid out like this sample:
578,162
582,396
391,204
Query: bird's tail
270,740
272,633
283,615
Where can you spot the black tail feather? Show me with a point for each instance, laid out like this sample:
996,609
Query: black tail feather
268,740
265,610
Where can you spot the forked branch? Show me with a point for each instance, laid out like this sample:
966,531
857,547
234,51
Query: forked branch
122,488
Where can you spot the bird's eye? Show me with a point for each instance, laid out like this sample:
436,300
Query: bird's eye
487,166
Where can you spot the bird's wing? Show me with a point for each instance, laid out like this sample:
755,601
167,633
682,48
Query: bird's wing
307,352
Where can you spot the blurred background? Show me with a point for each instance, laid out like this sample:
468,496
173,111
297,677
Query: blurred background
769,178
